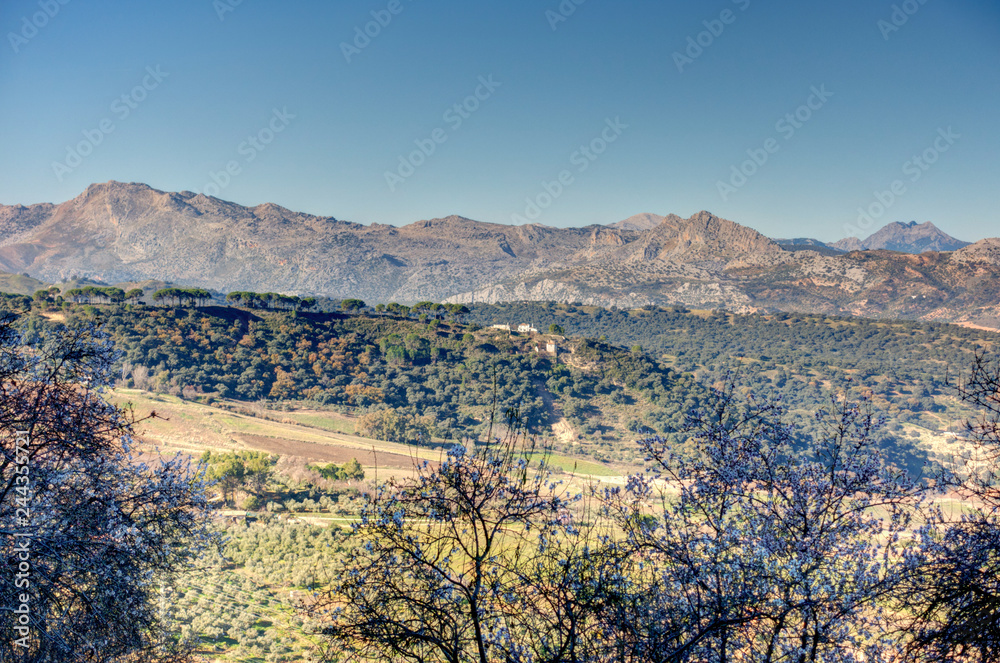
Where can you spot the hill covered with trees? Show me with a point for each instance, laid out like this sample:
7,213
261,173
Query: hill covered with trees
429,372
904,364
406,379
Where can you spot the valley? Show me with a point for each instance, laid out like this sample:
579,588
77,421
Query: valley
561,332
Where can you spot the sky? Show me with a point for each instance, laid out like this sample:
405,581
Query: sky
799,119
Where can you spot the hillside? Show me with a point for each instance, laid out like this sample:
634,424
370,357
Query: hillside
117,232
307,390
904,365
400,379
19,284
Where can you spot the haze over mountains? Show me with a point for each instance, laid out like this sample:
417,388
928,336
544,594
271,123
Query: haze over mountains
117,232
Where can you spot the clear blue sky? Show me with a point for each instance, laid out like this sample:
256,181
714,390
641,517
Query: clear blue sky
353,121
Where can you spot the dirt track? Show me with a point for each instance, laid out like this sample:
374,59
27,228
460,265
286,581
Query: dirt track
327,453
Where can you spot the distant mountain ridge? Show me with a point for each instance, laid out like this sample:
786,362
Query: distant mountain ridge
116,232
801,241
909,237
639,222
809,244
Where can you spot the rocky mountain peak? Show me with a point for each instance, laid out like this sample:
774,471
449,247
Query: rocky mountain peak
908,237
702,237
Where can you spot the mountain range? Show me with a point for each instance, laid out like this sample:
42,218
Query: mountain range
118,232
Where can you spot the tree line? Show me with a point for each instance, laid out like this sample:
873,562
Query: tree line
93,295
427,309
270,300
113,295
183,297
